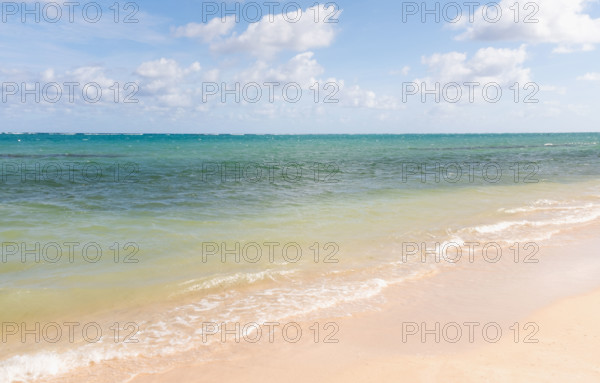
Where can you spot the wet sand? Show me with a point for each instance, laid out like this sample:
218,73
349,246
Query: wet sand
547,313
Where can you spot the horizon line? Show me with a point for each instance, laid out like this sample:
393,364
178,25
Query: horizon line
286,134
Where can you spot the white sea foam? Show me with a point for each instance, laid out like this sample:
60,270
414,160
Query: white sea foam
180,329
571,215
44,364
234,279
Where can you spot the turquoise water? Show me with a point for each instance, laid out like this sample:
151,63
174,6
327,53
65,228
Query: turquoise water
155,204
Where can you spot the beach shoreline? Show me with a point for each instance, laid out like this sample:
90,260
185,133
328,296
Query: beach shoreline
546,337
343,261
566,351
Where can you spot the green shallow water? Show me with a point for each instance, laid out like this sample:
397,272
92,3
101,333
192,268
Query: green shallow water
166,195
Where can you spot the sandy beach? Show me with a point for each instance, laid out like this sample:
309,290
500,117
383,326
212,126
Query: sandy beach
555,342
567,351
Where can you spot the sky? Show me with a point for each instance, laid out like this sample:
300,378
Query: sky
300,67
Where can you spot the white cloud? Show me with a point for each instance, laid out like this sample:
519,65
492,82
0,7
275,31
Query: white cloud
404,71
164,79
175,100
561,22
48,75
592,76
561,90
89,74
502,66
457,78
356,97
273,34
302,69
212,75
165,68
208,32
71,88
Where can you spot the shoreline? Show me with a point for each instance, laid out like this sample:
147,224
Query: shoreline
555,335
566,350
481,292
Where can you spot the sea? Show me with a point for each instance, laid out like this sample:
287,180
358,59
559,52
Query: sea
120,249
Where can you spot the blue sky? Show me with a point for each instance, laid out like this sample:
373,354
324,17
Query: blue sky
373,63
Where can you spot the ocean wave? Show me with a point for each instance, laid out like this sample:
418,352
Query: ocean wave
584,214
179,330
229,280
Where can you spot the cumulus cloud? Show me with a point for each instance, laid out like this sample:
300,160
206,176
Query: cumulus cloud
356,97
564,23
208,32
81,86
88,74
302,69
592,76
48,75
165,68
270,35
502,66
460,78
404,71
164,79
